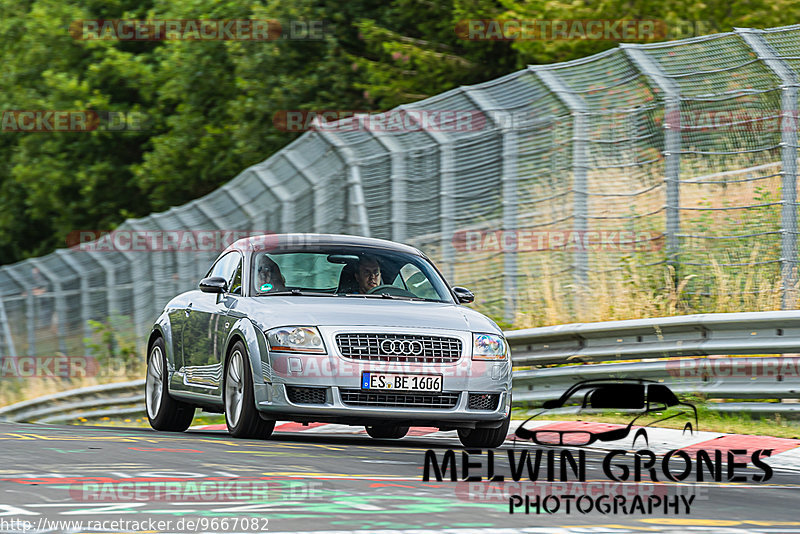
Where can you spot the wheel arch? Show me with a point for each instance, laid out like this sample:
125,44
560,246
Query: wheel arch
163,329
244,331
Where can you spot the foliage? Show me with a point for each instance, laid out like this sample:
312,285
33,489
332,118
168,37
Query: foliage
210,105
113,344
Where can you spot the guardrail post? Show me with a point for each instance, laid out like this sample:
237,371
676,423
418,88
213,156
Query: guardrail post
579,110
672,144
766,53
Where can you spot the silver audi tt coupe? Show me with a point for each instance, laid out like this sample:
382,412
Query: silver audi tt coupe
329,328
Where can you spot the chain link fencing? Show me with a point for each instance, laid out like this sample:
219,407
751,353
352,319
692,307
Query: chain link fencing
646,180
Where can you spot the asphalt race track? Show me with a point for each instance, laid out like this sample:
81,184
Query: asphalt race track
79,479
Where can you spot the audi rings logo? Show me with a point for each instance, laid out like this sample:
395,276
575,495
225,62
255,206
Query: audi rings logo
401,346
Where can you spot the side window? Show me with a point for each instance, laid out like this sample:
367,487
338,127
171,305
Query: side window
236,283
229,267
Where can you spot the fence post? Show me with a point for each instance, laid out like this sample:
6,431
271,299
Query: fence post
446,189
30,312
112,300
299,164
86,304
60,305
272,183
672,144
579,110
766,53
355,190
145,304
508,179
8,349
398,180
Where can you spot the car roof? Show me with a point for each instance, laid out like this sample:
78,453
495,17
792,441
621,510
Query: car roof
299,241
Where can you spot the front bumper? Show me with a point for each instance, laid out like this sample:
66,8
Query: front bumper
334,374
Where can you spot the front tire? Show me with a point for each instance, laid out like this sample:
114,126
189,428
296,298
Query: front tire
386,431
163,412
241,415
484,438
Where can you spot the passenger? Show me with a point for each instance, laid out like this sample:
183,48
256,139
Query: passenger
368,274
269,277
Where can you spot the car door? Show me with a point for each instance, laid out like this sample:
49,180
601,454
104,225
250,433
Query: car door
204,330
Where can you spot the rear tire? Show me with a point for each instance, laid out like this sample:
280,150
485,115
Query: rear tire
386,431
241,415
484,438
163,412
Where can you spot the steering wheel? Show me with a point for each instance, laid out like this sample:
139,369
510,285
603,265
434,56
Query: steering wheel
389,289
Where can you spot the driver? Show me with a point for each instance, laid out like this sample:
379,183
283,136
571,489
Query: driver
269,277
368,274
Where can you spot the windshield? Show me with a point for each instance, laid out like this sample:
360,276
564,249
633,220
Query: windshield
347,271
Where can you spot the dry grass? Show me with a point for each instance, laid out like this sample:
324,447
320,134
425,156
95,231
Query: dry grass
644,291
17,390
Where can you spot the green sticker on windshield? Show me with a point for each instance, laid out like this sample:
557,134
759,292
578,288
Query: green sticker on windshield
266,287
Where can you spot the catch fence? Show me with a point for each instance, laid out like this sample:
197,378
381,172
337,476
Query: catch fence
552,191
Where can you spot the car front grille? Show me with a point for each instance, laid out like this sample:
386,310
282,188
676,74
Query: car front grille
406,348
299,395
357,397
483,401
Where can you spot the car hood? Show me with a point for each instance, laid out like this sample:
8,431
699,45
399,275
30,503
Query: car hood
268,312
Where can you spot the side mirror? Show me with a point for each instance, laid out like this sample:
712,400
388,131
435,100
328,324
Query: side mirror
463,295
213,284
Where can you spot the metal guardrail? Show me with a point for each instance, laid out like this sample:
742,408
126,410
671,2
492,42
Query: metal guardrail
723,378
588,343
669,337
775,332
124,398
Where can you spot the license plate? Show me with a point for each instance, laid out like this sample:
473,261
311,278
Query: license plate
426,383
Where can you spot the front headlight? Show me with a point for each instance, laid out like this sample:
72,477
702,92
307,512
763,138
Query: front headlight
488,347
305,339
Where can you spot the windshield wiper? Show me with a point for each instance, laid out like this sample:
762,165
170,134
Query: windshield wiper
373,296
297,293
386,296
